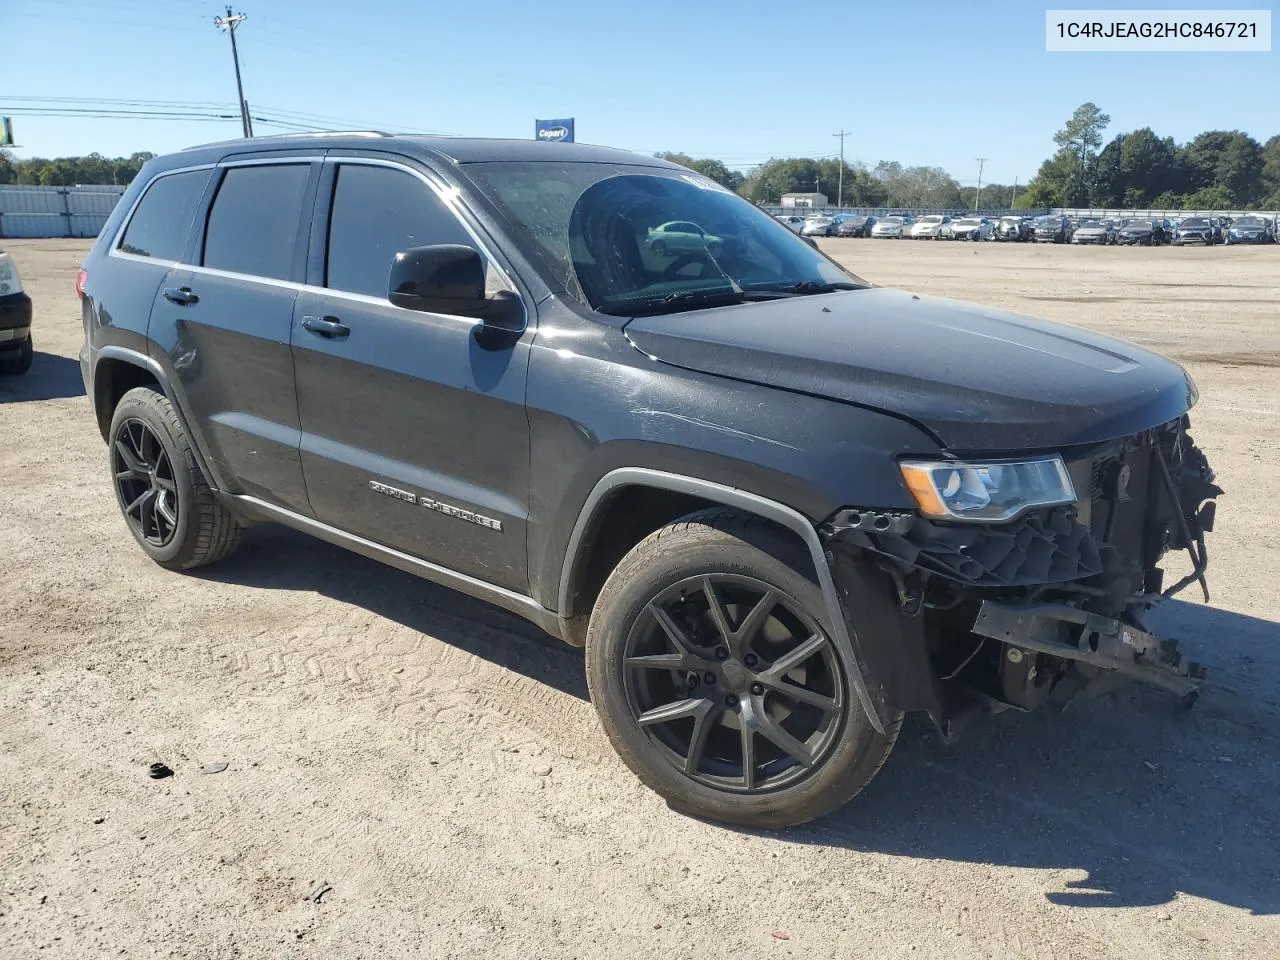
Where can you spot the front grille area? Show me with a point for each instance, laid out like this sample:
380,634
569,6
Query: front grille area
1106,545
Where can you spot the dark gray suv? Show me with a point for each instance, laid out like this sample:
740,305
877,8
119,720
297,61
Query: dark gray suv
777,505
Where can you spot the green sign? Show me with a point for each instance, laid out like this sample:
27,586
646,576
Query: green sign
6,132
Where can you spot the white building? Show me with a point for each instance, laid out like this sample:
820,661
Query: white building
804,200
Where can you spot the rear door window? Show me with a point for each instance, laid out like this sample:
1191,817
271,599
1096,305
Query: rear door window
159,227
377,213
253,224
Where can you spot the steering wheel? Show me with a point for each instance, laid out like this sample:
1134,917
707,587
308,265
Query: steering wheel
682,261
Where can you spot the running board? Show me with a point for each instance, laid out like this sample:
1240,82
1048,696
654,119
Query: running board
509,600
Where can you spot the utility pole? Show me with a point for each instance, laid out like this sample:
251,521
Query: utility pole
840,187
978,195
229,24
1014,202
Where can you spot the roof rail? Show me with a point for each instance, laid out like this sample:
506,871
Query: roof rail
294,136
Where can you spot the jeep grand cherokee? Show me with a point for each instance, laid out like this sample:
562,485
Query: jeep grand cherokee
778,506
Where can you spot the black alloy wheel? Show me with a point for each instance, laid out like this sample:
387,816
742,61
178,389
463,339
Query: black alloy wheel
146,483
734,684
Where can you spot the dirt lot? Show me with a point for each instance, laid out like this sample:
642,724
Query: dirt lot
438,765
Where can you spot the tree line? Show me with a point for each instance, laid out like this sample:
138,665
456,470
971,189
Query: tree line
69,171
887,184
1216,170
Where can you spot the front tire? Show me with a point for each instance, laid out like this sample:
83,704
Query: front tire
711,667
14,363
166,502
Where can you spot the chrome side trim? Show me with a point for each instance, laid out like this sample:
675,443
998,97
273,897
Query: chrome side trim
752,503
247,277
510,600
263,161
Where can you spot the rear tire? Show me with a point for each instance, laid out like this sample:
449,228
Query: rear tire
166,502
718,685
14,363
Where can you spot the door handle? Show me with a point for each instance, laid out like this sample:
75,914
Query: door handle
183,296
329,327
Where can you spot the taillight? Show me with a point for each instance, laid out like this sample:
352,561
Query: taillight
81,276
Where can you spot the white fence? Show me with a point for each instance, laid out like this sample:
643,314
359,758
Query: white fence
56,211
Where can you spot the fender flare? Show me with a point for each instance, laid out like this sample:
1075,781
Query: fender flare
787,517
114,352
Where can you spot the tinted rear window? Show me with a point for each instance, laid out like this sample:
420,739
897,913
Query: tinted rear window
159,226
254,220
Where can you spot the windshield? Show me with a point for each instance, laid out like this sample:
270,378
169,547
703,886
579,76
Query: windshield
1140,224
968,222
892,220
929,220
1195,222
1090,224
1250,222
624,239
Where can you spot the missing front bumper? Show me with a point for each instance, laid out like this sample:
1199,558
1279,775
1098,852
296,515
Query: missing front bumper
1110,645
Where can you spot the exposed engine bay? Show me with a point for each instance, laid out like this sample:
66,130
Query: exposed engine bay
1050,605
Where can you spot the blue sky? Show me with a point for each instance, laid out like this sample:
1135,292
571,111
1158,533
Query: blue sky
918,81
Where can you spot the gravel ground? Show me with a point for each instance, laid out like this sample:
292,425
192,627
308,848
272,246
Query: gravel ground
434,765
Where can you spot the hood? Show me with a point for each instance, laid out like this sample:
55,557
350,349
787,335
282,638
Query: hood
977,378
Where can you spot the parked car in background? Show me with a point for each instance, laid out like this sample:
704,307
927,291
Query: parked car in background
928,228
16,351
1249,230
971,228
1142,232
681,236
790,221
855,226
818,227
1016,229
1098,232
1052,229
891,228
1196,230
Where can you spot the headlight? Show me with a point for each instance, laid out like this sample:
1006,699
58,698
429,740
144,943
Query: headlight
987,491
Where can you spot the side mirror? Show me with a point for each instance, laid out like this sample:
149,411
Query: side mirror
443,278
810,241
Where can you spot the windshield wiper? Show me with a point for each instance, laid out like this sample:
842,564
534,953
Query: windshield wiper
806,287
671,302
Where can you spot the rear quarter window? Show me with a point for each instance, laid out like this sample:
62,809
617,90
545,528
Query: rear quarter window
162,220
253,224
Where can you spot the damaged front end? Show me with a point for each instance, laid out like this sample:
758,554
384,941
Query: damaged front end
1045,607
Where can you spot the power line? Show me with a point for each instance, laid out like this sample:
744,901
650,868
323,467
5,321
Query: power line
229,23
